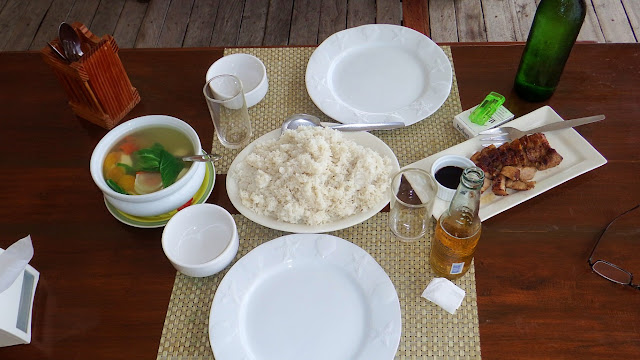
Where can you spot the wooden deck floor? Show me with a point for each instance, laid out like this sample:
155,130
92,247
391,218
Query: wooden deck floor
29,24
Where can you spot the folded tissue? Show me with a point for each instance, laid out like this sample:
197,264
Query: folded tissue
18,282
445,294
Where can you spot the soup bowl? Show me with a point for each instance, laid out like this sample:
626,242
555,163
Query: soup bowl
161,201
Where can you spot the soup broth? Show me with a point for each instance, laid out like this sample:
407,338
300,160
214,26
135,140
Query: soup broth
146,161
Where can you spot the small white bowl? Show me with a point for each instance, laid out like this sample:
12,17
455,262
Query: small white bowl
200,240
249,69
462,162
158,202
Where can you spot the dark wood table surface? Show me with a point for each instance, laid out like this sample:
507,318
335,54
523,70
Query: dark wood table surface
104,286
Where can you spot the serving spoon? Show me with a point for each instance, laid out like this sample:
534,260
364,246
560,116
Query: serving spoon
296,120
70,42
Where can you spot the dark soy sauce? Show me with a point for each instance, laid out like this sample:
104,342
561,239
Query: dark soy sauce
449,176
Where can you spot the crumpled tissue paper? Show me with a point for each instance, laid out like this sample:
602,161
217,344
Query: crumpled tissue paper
445,294
14,260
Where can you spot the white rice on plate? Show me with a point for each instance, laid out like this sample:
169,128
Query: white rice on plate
312,175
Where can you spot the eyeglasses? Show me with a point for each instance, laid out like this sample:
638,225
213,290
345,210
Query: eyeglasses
608,270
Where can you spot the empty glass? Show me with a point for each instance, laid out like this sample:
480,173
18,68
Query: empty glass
413,192
228,108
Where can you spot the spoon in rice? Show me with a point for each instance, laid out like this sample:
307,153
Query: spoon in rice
296,120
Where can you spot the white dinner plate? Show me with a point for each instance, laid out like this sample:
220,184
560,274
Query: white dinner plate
305,296
577,153
361,138
377,73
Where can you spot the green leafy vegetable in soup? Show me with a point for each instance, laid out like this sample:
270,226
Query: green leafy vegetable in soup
140,163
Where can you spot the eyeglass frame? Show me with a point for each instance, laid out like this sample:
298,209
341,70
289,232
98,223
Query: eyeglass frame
593,263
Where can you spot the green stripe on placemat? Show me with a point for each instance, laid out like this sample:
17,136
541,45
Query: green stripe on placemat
428,331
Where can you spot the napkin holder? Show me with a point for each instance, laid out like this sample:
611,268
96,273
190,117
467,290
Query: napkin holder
97,85
16,304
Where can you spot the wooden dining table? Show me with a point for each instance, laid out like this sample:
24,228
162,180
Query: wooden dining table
104,286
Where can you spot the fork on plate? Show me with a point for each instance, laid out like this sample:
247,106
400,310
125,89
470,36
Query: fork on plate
500,135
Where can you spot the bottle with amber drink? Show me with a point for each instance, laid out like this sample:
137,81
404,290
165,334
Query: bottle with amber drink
554,30
458,229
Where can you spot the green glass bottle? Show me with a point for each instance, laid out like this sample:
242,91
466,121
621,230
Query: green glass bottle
555,28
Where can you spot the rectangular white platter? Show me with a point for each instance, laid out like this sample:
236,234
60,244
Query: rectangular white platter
579,156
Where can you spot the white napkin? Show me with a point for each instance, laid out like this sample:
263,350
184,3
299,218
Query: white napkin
445,294
14,260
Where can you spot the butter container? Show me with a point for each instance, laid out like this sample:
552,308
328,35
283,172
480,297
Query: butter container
469,129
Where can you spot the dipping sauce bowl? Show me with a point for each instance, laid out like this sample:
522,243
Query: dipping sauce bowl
447,171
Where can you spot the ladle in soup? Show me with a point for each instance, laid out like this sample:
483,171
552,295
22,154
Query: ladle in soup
201,158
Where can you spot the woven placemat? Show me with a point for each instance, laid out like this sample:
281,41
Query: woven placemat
428,330
288,95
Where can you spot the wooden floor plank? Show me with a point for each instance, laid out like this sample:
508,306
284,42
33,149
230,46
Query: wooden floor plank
523,12
471,26
26,28
591,30
278,22
9,17
227,25
200,27
333,18
613,21
361,12
129,23
83,11
175,24
106,18
389,12
254,22
191,23
304,23
632,8
48,30
152,24
498,20
442,18
415,15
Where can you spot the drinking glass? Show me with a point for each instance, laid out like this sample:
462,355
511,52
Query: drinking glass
413,193
228,108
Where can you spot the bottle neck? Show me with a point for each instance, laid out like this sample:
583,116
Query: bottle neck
467,196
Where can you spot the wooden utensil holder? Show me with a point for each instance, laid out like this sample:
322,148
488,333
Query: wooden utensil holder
97,85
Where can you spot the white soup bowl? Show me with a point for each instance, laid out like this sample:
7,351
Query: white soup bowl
161,201
249,69
200,240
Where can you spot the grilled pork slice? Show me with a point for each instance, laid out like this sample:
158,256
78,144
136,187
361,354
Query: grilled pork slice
488,159
527,173
517,161
520,185
485,184
500,186
527,151
510,172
